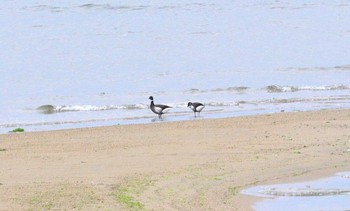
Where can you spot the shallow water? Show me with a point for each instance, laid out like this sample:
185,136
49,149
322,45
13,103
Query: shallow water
332,193
97,63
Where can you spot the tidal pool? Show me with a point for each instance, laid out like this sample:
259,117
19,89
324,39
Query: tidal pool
331,193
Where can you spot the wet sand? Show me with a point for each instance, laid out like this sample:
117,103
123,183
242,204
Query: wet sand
189,165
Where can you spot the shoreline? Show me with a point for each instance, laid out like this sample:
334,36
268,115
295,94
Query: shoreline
199,164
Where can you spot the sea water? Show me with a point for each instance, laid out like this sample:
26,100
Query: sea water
70,64
331,193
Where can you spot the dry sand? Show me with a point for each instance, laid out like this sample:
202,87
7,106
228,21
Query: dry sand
191,165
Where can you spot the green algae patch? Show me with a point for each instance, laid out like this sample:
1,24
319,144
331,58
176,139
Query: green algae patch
127,193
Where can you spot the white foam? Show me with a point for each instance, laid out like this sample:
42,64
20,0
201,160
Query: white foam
48,109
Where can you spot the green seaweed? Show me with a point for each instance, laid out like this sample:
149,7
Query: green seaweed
17,130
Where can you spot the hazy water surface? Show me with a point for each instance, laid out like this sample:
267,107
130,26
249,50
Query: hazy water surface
96,63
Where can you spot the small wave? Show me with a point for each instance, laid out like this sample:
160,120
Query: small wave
54,9
279,89
231,89
304,192
49,109
219,104
110,7
194,91
316,69
228,89
304,100
342,68
90,6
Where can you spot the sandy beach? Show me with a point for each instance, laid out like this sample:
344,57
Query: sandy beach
185,165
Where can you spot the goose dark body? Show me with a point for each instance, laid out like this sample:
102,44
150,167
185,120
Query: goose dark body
158,108
196,107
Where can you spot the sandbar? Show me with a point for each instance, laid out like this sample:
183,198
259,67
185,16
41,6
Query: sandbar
201,164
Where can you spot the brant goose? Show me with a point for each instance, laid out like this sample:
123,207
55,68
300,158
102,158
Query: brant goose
158,109
196,107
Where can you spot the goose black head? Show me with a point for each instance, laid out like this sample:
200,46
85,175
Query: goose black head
151,98
189,104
